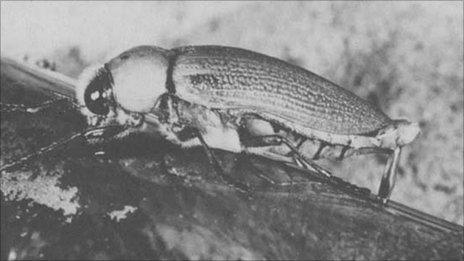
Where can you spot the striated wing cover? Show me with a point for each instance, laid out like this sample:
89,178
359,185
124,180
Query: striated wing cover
232,78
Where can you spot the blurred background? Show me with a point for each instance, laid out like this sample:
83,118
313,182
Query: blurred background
405,57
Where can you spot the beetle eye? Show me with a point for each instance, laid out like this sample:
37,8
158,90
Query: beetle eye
94,97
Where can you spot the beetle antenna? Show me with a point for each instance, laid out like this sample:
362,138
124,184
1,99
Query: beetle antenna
54,145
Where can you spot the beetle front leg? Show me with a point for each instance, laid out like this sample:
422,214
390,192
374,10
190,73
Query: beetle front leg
389,175
276,140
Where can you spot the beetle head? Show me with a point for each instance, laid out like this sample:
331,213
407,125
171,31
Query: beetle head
120,92
97,103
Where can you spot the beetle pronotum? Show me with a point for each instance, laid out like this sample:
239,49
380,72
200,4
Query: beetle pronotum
240,101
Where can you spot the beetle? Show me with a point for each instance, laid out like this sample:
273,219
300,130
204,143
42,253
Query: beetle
240,101
236,100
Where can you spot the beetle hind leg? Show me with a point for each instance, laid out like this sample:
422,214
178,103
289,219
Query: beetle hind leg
307,164
276,140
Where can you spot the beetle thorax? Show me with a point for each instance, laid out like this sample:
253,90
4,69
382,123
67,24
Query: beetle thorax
139,82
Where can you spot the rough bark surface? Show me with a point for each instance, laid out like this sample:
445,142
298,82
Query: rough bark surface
145,198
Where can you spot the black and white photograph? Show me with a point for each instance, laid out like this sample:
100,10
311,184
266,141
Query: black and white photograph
232,130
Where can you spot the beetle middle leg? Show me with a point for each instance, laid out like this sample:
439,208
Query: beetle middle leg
217,167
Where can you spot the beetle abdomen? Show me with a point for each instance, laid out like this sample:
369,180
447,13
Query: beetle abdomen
231,78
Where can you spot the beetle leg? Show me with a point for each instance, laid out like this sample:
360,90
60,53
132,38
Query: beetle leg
258,172
341,156
276,140
217,167
389,175
298,145
319,150
308,164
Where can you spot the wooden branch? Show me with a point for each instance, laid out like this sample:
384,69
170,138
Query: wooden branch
146,198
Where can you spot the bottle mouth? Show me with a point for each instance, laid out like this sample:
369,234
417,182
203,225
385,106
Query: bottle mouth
398,134
407,132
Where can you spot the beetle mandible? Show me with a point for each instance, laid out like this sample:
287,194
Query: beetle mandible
240,101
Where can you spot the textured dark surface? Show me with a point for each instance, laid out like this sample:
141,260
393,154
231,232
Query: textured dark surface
61,205
232,78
